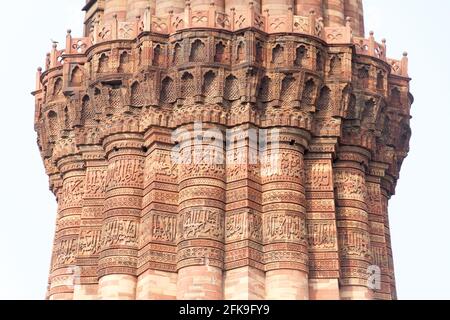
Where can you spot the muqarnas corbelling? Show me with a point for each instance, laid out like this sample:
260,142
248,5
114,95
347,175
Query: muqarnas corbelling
133,223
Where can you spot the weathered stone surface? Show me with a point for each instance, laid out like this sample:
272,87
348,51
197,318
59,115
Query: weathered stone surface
289,129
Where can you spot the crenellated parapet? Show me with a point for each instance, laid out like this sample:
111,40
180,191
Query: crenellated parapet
109,103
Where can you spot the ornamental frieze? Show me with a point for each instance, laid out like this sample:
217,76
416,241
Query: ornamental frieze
255,143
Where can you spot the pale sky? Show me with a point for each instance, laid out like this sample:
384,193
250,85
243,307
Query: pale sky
419,212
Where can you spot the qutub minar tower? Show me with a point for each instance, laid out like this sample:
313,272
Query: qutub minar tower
134,222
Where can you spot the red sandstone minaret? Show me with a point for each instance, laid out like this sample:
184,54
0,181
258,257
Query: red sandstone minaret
304,218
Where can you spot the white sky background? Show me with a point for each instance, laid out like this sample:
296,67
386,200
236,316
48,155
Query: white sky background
419,212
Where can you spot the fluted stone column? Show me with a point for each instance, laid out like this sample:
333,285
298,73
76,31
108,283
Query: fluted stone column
157,240
284,216
201,216
70,203
122,210
86,286
353,222
321,221
244,277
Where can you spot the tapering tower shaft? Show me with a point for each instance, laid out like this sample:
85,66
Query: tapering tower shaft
222,149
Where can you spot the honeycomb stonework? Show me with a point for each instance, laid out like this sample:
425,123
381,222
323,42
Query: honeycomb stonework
133,223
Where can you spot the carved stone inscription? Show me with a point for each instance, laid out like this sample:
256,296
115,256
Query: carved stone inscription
89,242
95,183
72,192
125,172
286,165
119,232
164,227
201,223
322,234
160,164
354,243
350,185
318,175
284,227
243,225
66,251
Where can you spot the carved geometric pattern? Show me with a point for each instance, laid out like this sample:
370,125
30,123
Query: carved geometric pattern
157,56
368,111
352,112
57,87
299,208
324,102
319,61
